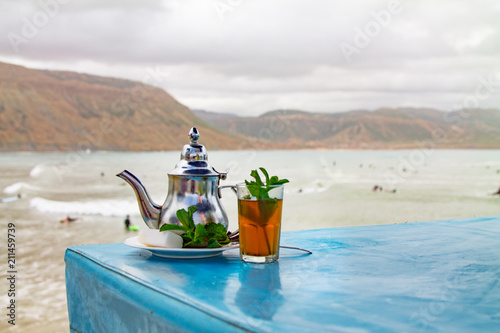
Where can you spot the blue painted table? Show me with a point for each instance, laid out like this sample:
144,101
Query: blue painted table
440,276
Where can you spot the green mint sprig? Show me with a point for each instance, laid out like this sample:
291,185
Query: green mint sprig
211,235
258,188
266,205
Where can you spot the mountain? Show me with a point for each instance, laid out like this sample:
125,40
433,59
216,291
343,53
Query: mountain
382,128
44,110
212,117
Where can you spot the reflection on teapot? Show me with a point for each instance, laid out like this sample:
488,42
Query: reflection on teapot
193,182
260,293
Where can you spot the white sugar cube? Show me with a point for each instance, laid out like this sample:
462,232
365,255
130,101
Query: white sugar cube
153,237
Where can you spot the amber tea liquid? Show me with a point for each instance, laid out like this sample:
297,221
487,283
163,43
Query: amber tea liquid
259,226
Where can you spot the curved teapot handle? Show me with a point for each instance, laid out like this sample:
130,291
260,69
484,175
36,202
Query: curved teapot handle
232,187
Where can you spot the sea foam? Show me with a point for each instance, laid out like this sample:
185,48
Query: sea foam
96,207
37,170
17,187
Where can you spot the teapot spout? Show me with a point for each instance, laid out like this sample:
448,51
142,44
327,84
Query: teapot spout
150,211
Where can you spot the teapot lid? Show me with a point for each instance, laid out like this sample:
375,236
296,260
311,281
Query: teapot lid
194,159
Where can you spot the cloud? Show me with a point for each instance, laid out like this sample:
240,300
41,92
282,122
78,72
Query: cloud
253,56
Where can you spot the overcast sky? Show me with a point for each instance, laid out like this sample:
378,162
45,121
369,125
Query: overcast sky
252,56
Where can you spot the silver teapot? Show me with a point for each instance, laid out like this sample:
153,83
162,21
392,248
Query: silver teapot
193,182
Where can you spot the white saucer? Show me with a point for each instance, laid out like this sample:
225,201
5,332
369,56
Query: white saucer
183,253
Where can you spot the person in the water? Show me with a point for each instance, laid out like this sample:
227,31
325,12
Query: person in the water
127,222
69,219
10,199
497,192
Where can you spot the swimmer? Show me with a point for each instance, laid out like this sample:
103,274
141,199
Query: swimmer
497,192
69,219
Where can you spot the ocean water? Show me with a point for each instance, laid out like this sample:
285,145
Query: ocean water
327,189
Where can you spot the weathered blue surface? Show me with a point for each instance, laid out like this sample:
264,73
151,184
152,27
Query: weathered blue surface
440,276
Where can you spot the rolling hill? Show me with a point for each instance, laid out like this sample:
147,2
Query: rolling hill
66,111
382,128
44,110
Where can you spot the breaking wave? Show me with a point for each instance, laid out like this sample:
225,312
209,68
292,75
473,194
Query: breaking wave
37,170
17,187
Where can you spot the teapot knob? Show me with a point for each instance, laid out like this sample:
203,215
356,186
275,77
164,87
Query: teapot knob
194,135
